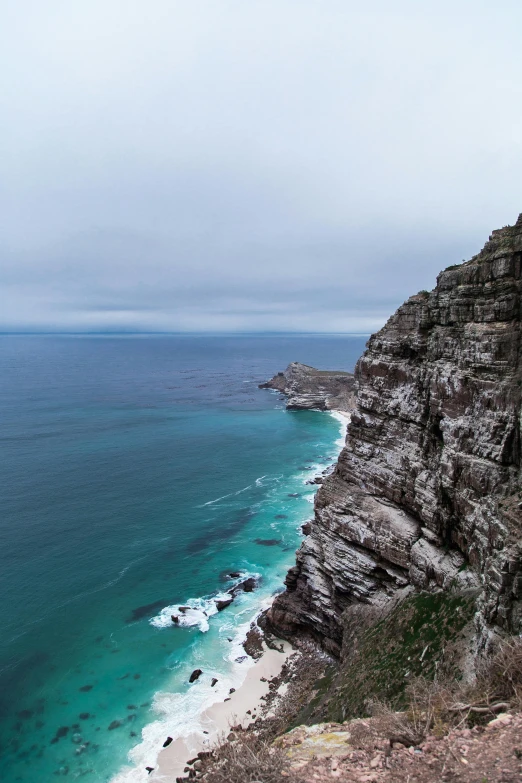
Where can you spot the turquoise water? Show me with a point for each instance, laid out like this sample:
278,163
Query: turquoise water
134,473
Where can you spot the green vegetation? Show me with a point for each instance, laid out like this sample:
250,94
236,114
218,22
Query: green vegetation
420,637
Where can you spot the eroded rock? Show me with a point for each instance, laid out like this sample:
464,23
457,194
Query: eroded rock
426,492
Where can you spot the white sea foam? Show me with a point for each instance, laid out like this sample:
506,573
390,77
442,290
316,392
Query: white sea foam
198,612
180,715
344,420
230,495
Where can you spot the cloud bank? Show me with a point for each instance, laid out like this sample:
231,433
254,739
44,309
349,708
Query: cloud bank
260,165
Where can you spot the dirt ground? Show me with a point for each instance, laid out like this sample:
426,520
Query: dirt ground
490,754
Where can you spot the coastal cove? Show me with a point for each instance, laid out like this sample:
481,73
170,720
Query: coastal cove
136,473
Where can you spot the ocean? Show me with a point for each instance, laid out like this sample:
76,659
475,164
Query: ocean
136,473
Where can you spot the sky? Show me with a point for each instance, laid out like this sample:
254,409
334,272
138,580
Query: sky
249,165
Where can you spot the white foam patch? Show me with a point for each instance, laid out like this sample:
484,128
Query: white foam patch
344,420
197,613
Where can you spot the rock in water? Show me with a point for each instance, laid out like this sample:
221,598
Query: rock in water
214,680
426,491
220,605
167,742
196,674
246,586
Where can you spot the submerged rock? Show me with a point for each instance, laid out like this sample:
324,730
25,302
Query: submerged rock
62,731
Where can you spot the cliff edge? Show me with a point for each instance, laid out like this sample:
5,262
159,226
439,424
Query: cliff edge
427,493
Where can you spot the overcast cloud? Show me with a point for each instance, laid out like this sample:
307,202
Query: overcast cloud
249,164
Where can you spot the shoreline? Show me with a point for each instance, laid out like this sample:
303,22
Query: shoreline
242,707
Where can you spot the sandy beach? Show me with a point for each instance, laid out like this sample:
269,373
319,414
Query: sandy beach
220,716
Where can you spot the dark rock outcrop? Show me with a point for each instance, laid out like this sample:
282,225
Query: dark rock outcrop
247,586
196,674
427,493
223,603
307,388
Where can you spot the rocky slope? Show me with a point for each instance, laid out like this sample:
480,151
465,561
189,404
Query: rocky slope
427,493
361,752
308,388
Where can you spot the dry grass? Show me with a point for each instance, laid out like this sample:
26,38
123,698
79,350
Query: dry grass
499,678
249,758
435,707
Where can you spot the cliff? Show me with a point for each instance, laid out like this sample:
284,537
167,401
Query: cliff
427,493
308,388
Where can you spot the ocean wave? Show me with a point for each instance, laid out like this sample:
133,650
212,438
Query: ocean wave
344,420
197,611
223,497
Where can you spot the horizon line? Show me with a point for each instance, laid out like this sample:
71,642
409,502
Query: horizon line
181,333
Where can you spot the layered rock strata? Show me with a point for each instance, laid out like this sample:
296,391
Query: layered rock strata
427,493
307,388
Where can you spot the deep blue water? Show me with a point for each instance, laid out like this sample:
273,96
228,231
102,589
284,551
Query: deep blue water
134,471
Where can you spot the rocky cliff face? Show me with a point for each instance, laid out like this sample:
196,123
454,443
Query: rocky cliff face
308,388
427,492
